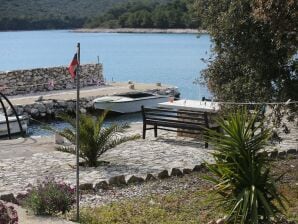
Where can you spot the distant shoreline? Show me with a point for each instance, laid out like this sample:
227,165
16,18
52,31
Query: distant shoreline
139,30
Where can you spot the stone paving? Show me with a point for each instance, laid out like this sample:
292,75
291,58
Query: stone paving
27,162
24,161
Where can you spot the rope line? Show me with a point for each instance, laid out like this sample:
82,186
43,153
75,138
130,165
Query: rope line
46,126
259,103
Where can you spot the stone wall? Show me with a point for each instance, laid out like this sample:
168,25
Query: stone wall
46,79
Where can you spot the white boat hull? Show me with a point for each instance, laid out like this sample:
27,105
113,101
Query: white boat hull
127,105
13,125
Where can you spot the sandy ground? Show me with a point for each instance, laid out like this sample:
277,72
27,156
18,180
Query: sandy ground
25,218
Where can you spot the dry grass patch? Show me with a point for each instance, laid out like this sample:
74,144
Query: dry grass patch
175,208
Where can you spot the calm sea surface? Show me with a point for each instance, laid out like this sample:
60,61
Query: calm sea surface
167,58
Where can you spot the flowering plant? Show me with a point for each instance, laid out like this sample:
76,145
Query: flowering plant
50,197
8,214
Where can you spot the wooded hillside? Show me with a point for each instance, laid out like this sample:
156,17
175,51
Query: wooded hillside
148,14
51,14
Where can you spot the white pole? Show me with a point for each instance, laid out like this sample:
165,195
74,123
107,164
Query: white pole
78,134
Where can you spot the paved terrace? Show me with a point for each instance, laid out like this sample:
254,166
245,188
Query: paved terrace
24,161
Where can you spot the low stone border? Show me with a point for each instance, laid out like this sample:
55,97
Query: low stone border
119,181
282,154
122,180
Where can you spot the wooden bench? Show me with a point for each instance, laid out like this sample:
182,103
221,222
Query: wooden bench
182,121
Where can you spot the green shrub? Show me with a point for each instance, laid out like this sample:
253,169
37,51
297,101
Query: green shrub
94,138
244,184
50,198
8,215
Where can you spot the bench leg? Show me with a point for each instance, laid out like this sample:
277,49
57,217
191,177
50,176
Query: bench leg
144,131
155,131
206,141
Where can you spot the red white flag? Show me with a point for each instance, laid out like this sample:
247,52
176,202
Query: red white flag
73,66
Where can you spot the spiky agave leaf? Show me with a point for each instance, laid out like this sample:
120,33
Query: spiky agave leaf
243,179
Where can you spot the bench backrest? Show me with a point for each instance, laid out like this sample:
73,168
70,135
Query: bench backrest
175,116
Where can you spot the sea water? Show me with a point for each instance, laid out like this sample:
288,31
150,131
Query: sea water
167,58
174,59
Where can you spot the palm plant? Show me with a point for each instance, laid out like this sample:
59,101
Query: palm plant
94,138
242,176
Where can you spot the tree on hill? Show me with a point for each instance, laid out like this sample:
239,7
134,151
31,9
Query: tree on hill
149,14
52,14
255,43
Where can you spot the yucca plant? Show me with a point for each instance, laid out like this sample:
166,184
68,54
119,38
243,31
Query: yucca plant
94,138
242,178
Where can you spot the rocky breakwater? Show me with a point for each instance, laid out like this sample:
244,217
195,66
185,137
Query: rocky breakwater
50,108
47,79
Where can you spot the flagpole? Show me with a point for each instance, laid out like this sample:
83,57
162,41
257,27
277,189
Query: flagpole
78,134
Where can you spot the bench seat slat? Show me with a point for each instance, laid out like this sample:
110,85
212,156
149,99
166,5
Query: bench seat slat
175,125
150,114
157,120
182,131
173,111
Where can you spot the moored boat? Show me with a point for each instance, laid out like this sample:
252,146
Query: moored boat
13,125
129,102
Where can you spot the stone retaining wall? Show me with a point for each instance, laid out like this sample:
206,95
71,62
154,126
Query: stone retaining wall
46,79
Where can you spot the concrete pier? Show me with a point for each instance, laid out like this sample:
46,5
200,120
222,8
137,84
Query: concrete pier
45,104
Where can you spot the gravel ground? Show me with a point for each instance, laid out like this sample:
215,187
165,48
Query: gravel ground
189,182
158,187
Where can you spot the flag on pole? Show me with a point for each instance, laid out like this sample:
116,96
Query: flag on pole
73,66
75,72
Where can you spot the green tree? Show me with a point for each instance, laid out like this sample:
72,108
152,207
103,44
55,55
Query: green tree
254,48
150,14
133,20
123,20
94,138
146,20
160,18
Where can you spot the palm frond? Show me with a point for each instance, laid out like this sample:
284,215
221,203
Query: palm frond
69,135
69,119
70,150
94,138
120,140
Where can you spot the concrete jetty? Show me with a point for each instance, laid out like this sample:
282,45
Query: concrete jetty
44,104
